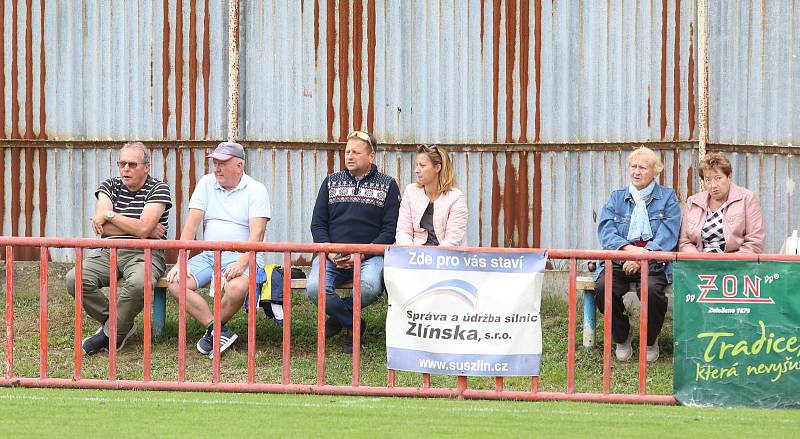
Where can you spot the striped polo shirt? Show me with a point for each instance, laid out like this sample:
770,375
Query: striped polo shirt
131,204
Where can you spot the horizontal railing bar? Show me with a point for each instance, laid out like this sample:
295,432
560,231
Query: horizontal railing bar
307,247
432,392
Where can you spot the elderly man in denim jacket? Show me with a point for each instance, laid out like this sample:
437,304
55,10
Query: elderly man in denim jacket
641,217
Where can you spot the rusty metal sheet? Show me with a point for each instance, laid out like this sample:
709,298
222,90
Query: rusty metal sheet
470,71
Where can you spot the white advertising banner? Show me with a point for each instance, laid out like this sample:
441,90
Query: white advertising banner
464,313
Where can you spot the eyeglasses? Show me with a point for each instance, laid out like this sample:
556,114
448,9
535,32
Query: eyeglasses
132,165
363,136
718,179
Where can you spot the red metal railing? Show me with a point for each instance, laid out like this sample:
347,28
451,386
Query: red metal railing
286,385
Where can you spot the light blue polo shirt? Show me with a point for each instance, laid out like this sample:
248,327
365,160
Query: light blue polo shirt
227,213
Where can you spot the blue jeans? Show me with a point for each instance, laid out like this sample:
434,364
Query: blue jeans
338,308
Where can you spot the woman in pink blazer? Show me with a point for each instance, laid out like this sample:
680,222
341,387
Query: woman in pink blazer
432,210
724,218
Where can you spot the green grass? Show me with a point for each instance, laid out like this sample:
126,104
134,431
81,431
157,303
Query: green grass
94,413
130,364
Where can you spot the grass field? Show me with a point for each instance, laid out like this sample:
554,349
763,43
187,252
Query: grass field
92,413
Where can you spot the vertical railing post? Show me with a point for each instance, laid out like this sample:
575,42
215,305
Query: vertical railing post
182,277
607,330
217,323
322,265
287,318
643,311
356,319
9,311
43,298
251,319
148,311
77,357
112,315
573,273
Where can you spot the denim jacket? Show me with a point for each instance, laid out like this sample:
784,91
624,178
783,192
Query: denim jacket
665,221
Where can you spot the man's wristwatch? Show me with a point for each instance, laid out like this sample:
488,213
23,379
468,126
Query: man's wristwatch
110,215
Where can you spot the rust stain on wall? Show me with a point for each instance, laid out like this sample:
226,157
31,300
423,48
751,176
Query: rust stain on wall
357,48
676,72
16,190
178,68
2,80
42,153
537,58
2,192
330,48
522,201
29,188
482,21
42,77
661,177
511,45
344,52
690,181
371,42
524,47
495,65
497,201
29,71
206,68
676,172
331,159
316,30
648,107
178,184
663,68
510,201
14,75
691,101
165,69
193,70
536,217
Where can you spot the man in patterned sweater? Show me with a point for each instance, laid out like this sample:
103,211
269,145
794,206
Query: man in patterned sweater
131,206
358,205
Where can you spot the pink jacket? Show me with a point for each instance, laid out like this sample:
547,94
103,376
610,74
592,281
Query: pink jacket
449,217
743,225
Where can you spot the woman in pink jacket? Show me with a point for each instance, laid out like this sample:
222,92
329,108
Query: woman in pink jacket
432,210
724,218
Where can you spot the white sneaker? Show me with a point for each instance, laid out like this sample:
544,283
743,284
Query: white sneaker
652,352
624,351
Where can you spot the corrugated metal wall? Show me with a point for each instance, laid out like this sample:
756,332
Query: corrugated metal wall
539,100
101,70
755,72
470,71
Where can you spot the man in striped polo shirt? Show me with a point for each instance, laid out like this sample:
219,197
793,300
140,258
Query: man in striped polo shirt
131,206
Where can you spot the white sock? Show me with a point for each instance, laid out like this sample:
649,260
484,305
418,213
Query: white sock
277,309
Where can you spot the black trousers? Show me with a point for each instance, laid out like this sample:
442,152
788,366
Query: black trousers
657,301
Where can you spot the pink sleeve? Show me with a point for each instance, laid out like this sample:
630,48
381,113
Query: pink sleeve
684,243
404,234
456,222
754,226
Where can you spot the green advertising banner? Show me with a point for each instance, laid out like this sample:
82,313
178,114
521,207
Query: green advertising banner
736,333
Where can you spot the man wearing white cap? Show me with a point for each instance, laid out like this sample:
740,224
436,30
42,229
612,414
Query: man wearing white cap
232,207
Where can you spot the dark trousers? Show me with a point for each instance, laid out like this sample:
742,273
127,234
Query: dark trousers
657,301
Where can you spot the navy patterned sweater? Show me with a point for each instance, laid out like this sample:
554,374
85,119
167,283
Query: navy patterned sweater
356,212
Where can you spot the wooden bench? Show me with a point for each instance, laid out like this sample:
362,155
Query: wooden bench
160,301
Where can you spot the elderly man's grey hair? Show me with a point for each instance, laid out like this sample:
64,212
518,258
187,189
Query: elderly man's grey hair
139,146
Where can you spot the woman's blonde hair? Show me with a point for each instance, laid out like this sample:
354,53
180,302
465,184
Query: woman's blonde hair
649,155
439,156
